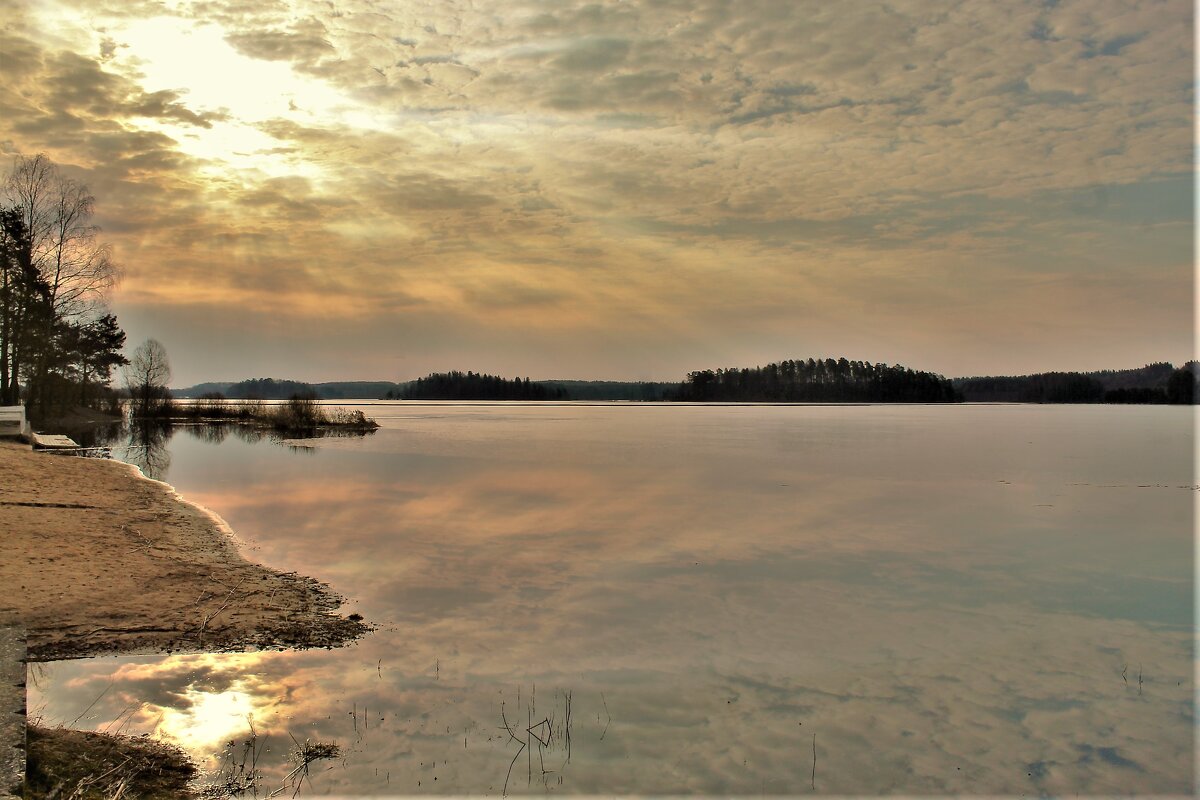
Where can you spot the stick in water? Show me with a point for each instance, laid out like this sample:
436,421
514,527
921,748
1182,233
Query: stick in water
814,772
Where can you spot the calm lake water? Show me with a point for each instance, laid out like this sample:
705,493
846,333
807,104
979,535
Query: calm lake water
723,600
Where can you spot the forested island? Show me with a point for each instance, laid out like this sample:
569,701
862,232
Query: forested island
816,381
475,386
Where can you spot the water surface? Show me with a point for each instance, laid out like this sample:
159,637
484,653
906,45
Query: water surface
928,599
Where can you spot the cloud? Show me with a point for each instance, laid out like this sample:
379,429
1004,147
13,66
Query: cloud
592,55
305,41
794,157
165,105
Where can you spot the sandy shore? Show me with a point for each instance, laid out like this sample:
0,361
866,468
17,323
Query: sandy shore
97,559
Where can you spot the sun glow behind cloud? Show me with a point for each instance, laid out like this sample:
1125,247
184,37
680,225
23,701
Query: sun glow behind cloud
195,60
210,720
172,54
199,702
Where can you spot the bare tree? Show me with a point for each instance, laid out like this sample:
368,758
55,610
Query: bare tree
79,269
147,377
57,212
73,268
28,188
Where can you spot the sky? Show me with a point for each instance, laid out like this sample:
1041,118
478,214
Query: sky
374,189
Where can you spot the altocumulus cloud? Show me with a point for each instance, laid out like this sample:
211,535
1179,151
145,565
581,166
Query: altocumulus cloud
896,183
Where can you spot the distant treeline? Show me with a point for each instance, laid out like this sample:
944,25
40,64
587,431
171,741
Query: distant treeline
275,389
474,386
795,381
613,390
269,389
816,381
1154,383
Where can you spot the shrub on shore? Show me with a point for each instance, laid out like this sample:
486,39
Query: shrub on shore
300,414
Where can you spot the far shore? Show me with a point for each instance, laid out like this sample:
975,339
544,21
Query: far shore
101,560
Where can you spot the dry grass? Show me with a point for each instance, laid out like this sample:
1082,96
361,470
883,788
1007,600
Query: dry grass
65,764
240,775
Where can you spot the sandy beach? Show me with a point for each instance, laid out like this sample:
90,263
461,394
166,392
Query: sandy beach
99,559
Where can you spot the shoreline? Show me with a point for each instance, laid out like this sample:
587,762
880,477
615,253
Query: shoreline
104,561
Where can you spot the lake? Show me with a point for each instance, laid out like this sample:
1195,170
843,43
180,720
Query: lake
724,600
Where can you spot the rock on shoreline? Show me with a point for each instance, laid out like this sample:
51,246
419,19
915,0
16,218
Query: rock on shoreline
99,560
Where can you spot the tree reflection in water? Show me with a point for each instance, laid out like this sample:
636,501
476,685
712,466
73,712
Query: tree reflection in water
144,442
147,447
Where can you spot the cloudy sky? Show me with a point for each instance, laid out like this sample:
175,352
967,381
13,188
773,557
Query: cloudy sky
376,189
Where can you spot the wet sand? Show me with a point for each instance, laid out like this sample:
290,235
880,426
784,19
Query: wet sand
98,559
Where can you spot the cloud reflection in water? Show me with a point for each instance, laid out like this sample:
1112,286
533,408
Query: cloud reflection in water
947,598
